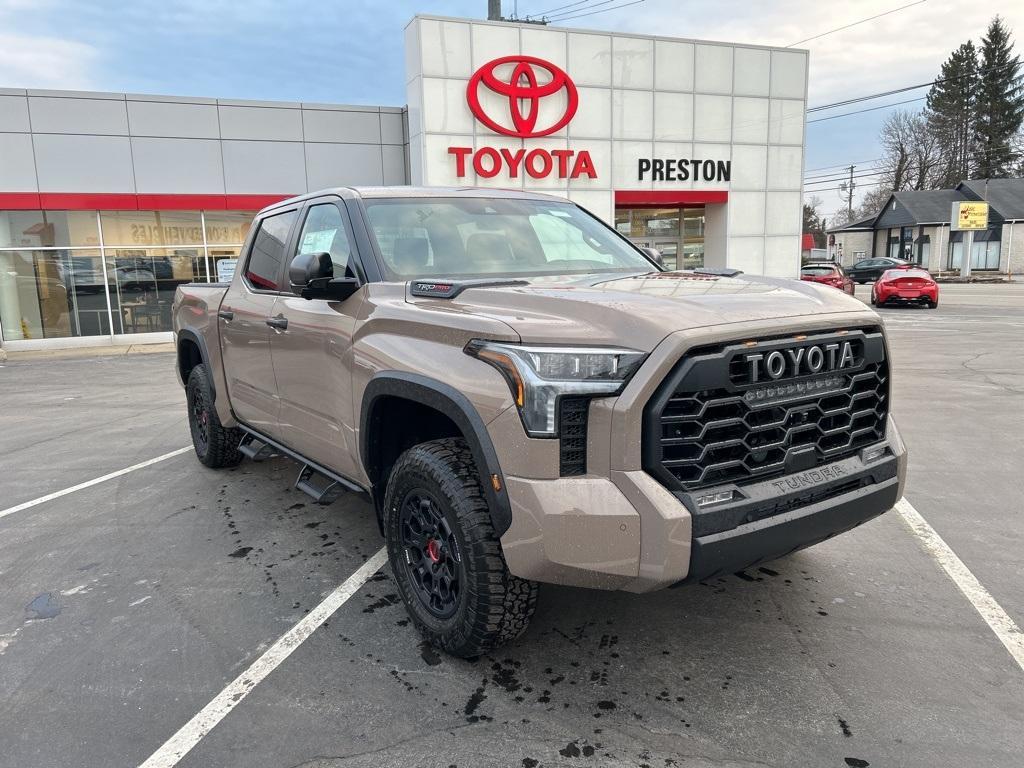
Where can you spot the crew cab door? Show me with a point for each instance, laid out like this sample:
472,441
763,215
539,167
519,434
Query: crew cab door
245,312
313,354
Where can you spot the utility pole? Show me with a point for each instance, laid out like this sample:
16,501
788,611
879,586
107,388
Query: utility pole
847,188
494,10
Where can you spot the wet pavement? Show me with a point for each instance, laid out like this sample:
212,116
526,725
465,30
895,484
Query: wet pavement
127,606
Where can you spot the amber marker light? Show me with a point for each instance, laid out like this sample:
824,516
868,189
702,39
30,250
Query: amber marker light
505,365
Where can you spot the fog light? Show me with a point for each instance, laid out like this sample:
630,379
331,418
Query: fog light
714,498
873,452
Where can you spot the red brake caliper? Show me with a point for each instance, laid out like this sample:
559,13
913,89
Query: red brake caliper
434,550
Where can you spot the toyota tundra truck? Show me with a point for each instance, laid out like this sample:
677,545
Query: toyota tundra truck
525,396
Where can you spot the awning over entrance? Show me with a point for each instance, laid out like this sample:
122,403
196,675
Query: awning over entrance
665,198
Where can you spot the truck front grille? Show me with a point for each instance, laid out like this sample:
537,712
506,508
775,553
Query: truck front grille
712,422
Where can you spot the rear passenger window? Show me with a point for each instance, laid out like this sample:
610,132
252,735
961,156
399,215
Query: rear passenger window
263,270
324,232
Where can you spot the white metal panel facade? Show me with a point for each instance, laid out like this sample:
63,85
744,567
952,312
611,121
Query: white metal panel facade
81,142
638,97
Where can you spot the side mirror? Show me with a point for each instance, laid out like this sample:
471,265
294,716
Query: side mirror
311,276
655,255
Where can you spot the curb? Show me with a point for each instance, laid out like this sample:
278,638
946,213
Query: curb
82,352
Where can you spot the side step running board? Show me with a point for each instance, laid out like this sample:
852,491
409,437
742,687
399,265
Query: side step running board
255,449
319,482
323,489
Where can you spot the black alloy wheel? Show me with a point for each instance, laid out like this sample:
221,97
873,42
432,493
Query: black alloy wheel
215,444
432,558
446,555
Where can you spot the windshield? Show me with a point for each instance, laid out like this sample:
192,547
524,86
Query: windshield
818,271
481,237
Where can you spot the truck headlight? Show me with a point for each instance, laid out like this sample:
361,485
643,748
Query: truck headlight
538,376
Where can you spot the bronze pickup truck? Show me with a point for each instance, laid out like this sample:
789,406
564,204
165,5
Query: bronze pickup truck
527,397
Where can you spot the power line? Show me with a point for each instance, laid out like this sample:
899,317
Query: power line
844,177
866,109
930,83
603,10
836,175
590,4
842,165
552,10
859,99
855,23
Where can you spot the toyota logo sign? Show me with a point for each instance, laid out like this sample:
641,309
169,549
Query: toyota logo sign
530,80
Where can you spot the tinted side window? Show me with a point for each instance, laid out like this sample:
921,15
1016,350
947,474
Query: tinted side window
324,232
263,270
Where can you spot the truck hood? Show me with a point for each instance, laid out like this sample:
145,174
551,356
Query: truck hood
638,311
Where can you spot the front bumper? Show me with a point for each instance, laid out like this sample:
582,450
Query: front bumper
628,532
620,528
773,537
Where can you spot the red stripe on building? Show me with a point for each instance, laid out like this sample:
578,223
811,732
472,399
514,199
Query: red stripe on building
19,201
628,198
107,201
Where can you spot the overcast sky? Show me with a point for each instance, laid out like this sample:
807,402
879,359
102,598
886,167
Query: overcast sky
350,51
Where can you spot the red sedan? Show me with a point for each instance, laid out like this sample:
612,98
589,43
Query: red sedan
829,274
905,286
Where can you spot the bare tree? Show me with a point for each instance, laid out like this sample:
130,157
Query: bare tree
911,153
873,201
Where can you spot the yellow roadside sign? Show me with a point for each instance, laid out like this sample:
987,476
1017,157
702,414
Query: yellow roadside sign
969,215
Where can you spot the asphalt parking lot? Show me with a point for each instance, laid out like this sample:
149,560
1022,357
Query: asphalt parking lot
127,606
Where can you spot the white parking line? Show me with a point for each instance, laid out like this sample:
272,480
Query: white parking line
190,734
1006,629
94,481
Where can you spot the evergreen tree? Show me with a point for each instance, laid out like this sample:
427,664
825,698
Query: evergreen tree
999,111
951,114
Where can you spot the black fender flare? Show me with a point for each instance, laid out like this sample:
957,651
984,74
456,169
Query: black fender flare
457,407
192,335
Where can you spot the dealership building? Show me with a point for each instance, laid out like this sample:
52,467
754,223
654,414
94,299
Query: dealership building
108,201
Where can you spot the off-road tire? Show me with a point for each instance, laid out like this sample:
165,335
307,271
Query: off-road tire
494,607
219,448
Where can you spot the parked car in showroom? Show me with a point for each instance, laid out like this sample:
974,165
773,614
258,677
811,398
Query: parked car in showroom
905,286
869,270
827,273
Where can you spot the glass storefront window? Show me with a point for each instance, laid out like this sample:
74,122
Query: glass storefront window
227,227
142,282
220,274
55,276
48,229
678,233
151,228
655,222
52,294
693,238
985,249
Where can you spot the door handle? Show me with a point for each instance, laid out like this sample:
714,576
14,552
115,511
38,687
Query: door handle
225,314
278,323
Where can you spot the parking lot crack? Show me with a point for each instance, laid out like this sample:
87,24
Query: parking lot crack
378,750
966,365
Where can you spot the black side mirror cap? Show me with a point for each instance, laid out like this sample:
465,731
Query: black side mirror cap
308,267
311,276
